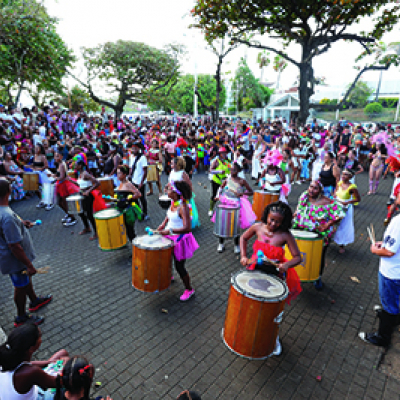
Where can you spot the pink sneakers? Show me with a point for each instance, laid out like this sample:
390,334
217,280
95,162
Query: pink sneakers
187,294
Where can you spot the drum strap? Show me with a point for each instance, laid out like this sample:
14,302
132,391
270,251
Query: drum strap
138,157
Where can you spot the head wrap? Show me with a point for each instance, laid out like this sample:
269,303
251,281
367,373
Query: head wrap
273,157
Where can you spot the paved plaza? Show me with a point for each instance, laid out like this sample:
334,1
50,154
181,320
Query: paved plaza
151,346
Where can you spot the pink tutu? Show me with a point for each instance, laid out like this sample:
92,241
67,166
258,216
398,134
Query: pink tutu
247,216
286,189
185,245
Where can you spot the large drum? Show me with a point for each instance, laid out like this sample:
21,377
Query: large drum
255,308
71,173
49,193
152,173
164,201
261,199
74,204
227,220
152,263
110,229
310,245
31,181
106,186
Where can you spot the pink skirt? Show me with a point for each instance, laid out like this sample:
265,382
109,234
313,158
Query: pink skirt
185,245
247,216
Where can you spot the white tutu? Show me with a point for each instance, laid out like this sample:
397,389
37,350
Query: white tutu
345,232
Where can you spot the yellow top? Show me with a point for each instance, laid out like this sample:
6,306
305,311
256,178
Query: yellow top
344,194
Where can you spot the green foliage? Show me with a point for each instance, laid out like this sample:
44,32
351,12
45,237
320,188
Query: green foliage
249,92
130,70
31,51
373,109
325,101
180,97
78,97
360,94
389,102
231,110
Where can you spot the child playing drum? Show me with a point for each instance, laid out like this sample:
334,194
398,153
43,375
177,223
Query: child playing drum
273,233
177,227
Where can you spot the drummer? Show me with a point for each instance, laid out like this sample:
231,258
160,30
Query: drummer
177,227
273,175
273,233
319,214
236,189
132,211
64,188
154,160
86,183
219,169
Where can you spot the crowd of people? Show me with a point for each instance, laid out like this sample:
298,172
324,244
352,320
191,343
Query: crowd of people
72,152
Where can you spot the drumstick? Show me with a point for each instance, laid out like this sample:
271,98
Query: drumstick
43,270
265,259
373,232
371,238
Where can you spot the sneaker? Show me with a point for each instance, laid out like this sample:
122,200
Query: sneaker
34,319
318,284
210,213
49,207
373,338
386,221
298,182
146,217
70,222
187,294
65,218
172,279
278,348
220,248
236,250
40,302
40,205
377,308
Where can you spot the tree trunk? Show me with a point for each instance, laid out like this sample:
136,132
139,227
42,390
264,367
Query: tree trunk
306,86
378,87
17,97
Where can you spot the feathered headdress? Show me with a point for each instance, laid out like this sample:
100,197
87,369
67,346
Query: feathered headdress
384,138
273,157
79,157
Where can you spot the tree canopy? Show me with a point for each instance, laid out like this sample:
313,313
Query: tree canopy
75,98
32,54
130,71
249,92
360,94
180,97
313,25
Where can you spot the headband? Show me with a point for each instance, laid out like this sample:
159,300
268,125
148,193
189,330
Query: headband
174,188
320,184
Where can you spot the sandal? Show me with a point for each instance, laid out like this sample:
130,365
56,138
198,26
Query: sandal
149,193
85,231
94,237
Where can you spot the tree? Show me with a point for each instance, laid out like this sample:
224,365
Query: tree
263,61
314,26
360,94
180,98
279,65
75,98
131,71
219,48
32,54
249,92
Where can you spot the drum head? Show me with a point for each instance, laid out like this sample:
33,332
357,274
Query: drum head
108,213
75,197
105,178
304,234
260,286
164,197
154,242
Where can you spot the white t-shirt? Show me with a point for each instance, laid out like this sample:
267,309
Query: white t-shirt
37,139
139,172
42,132
390,266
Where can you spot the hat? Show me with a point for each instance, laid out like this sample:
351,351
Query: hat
181,143
222,150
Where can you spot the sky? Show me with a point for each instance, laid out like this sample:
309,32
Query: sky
87,23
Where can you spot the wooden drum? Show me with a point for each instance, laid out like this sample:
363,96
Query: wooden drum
71,173
74,204
310,245
31,181
255,308
152,173
261,199
152,263
110,229
106,186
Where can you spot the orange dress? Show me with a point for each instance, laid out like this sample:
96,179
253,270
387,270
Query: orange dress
277,254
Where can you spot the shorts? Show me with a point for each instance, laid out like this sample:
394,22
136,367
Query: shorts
19,279
389,293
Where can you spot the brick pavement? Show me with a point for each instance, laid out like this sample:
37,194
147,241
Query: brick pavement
140,352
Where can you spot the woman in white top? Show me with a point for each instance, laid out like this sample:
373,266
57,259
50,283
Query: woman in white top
177,227
21,378
259,149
